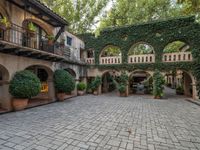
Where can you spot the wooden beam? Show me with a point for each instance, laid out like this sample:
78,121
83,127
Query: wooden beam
62,29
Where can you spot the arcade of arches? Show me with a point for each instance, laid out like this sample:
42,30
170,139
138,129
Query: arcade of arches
171,46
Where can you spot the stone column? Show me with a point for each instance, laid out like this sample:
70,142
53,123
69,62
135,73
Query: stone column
6,97
51,90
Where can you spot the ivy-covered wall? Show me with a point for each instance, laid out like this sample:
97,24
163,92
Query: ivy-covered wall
157,34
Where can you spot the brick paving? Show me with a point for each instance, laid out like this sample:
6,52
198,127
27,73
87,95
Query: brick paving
105,122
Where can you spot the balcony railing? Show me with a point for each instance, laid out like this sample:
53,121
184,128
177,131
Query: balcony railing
19,36
110,60
180,56
90,61
146,58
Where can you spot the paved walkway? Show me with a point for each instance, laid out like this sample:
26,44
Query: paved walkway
105,122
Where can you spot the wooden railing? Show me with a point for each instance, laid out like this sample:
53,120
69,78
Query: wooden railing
174,57
146,58
110,60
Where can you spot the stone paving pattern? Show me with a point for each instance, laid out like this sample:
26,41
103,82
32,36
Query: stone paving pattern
105,122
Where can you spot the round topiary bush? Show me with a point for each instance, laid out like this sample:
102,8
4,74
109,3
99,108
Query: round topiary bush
122,88
25,84
63,81
81,86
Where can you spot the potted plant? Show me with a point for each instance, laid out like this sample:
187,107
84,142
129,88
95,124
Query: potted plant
62,42
158,82
4,23
81,88
50,39
122,90
23,86
179,90
64,83
121,83
95,85
31,29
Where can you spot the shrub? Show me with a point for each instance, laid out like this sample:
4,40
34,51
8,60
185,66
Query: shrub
180,90
122,88
25,84
81,86
158,82
96,83
63,81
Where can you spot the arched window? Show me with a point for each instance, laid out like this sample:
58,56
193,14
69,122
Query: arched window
176,46
110,51
140,49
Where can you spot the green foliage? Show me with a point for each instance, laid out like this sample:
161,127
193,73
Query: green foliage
50,37
96,83
81,86
5,22
31,27
63,81
24,84
81,14
176,46
179,89
139,49
121,88
111,51
158,82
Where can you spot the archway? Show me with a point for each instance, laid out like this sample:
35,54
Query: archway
107,82
110,55
141,52
47,93
177,51
4,86
140,82
71,72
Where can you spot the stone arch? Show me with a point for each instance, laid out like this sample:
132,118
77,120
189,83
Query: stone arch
135,45
4,87
176,46
45,74
4,74
48,70
108,57
139,77
72,72
44,26
107,83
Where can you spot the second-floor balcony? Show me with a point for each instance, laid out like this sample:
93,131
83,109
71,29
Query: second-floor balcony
17,36
145,58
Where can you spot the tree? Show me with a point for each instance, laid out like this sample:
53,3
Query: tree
81,14
125,12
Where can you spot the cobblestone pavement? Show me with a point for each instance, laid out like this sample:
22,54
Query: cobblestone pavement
105,122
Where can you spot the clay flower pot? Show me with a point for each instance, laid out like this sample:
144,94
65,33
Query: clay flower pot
50,42
19,103
95,93
61,96
81,93
157,97
122,94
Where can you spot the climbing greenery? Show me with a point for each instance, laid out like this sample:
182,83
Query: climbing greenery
158,84
96,83
157,34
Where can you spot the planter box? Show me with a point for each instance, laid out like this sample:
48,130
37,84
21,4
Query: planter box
61,96
81,93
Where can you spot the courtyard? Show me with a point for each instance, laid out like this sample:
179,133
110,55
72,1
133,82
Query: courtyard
107,121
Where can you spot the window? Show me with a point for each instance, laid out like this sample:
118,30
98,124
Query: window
69,41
